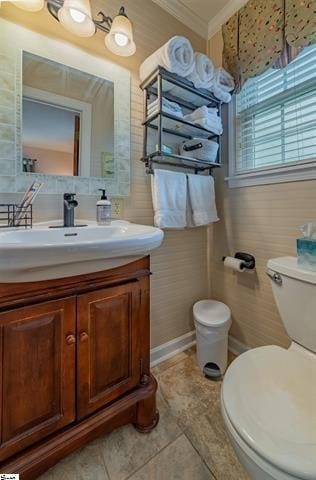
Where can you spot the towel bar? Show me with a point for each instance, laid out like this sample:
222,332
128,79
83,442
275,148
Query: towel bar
150,170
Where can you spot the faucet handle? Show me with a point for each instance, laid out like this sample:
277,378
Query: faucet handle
69,196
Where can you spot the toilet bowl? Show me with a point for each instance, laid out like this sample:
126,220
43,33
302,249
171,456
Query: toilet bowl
268,396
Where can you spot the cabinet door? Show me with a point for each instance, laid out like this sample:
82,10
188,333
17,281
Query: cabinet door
38,372
108,345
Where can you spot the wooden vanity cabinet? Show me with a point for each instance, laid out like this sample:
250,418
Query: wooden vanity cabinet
75,364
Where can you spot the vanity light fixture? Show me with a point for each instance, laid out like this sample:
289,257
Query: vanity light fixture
76,17
120,37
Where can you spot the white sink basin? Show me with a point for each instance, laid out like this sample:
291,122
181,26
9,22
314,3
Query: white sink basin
45,253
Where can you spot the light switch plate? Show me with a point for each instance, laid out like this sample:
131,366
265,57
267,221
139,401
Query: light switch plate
117,208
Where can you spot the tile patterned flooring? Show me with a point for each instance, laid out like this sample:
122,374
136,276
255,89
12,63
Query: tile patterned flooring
189,443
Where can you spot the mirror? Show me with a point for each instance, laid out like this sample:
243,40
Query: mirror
67,120
65,116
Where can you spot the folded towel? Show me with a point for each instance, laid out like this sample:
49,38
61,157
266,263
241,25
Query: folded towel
152,111
212,123
176,55
167,106
203,73
169,195
202,112
202,199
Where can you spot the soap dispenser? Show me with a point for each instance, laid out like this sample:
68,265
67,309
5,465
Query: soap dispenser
104,209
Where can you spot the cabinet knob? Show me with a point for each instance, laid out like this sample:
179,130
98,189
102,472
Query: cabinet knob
70,339
83,336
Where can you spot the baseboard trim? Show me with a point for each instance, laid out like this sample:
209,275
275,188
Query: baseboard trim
169,349
236,347
180,344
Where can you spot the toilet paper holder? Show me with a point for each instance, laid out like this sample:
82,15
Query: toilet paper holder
249,261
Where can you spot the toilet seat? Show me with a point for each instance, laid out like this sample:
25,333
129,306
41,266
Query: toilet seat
269,396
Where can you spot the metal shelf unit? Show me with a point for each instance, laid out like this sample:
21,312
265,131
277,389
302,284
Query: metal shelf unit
187,96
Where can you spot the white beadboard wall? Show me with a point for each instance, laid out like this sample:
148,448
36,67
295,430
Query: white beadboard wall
264,221
179,267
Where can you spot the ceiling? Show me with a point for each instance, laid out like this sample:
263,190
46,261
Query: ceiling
205,17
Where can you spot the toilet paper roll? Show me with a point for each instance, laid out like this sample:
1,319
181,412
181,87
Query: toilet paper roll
234,263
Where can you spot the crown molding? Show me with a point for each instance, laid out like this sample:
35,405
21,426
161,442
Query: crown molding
185,15
223,15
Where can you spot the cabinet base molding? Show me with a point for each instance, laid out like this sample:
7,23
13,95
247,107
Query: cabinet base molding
135,408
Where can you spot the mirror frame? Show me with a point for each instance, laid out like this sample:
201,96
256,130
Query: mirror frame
14,40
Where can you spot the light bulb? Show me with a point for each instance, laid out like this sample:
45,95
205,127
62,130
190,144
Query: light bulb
120,39
76,15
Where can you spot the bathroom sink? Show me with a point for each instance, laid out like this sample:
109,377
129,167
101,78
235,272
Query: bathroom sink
44,253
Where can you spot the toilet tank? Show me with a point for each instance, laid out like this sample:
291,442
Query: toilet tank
294,291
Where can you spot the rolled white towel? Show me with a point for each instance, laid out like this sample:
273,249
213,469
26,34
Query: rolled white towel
203,73
176,55
224,80
221,94
223,85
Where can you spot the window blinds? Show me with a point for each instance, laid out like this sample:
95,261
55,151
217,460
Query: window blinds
276,116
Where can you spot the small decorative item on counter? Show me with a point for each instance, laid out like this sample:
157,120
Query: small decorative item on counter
306,246
104,209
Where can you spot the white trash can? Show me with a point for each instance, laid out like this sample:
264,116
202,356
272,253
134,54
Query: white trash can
212,321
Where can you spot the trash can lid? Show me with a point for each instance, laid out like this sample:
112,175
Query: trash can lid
211,313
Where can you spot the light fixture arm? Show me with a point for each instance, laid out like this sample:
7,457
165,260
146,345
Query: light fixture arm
104,24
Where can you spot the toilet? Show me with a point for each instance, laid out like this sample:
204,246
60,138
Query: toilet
268,396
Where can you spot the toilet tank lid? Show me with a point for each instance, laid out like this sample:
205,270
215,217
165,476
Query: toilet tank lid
289,266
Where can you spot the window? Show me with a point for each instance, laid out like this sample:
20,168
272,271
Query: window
275,125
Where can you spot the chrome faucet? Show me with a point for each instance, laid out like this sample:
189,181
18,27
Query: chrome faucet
69,209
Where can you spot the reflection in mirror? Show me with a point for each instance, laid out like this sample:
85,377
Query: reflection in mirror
68,120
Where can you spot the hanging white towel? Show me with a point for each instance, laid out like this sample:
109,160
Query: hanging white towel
177,56
169,195
202,199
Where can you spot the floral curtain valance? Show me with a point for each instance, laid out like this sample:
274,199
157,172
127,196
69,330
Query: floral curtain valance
265,33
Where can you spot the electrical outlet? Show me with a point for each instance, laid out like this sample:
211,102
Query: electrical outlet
117,208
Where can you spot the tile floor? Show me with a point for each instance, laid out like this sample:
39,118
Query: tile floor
189,442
